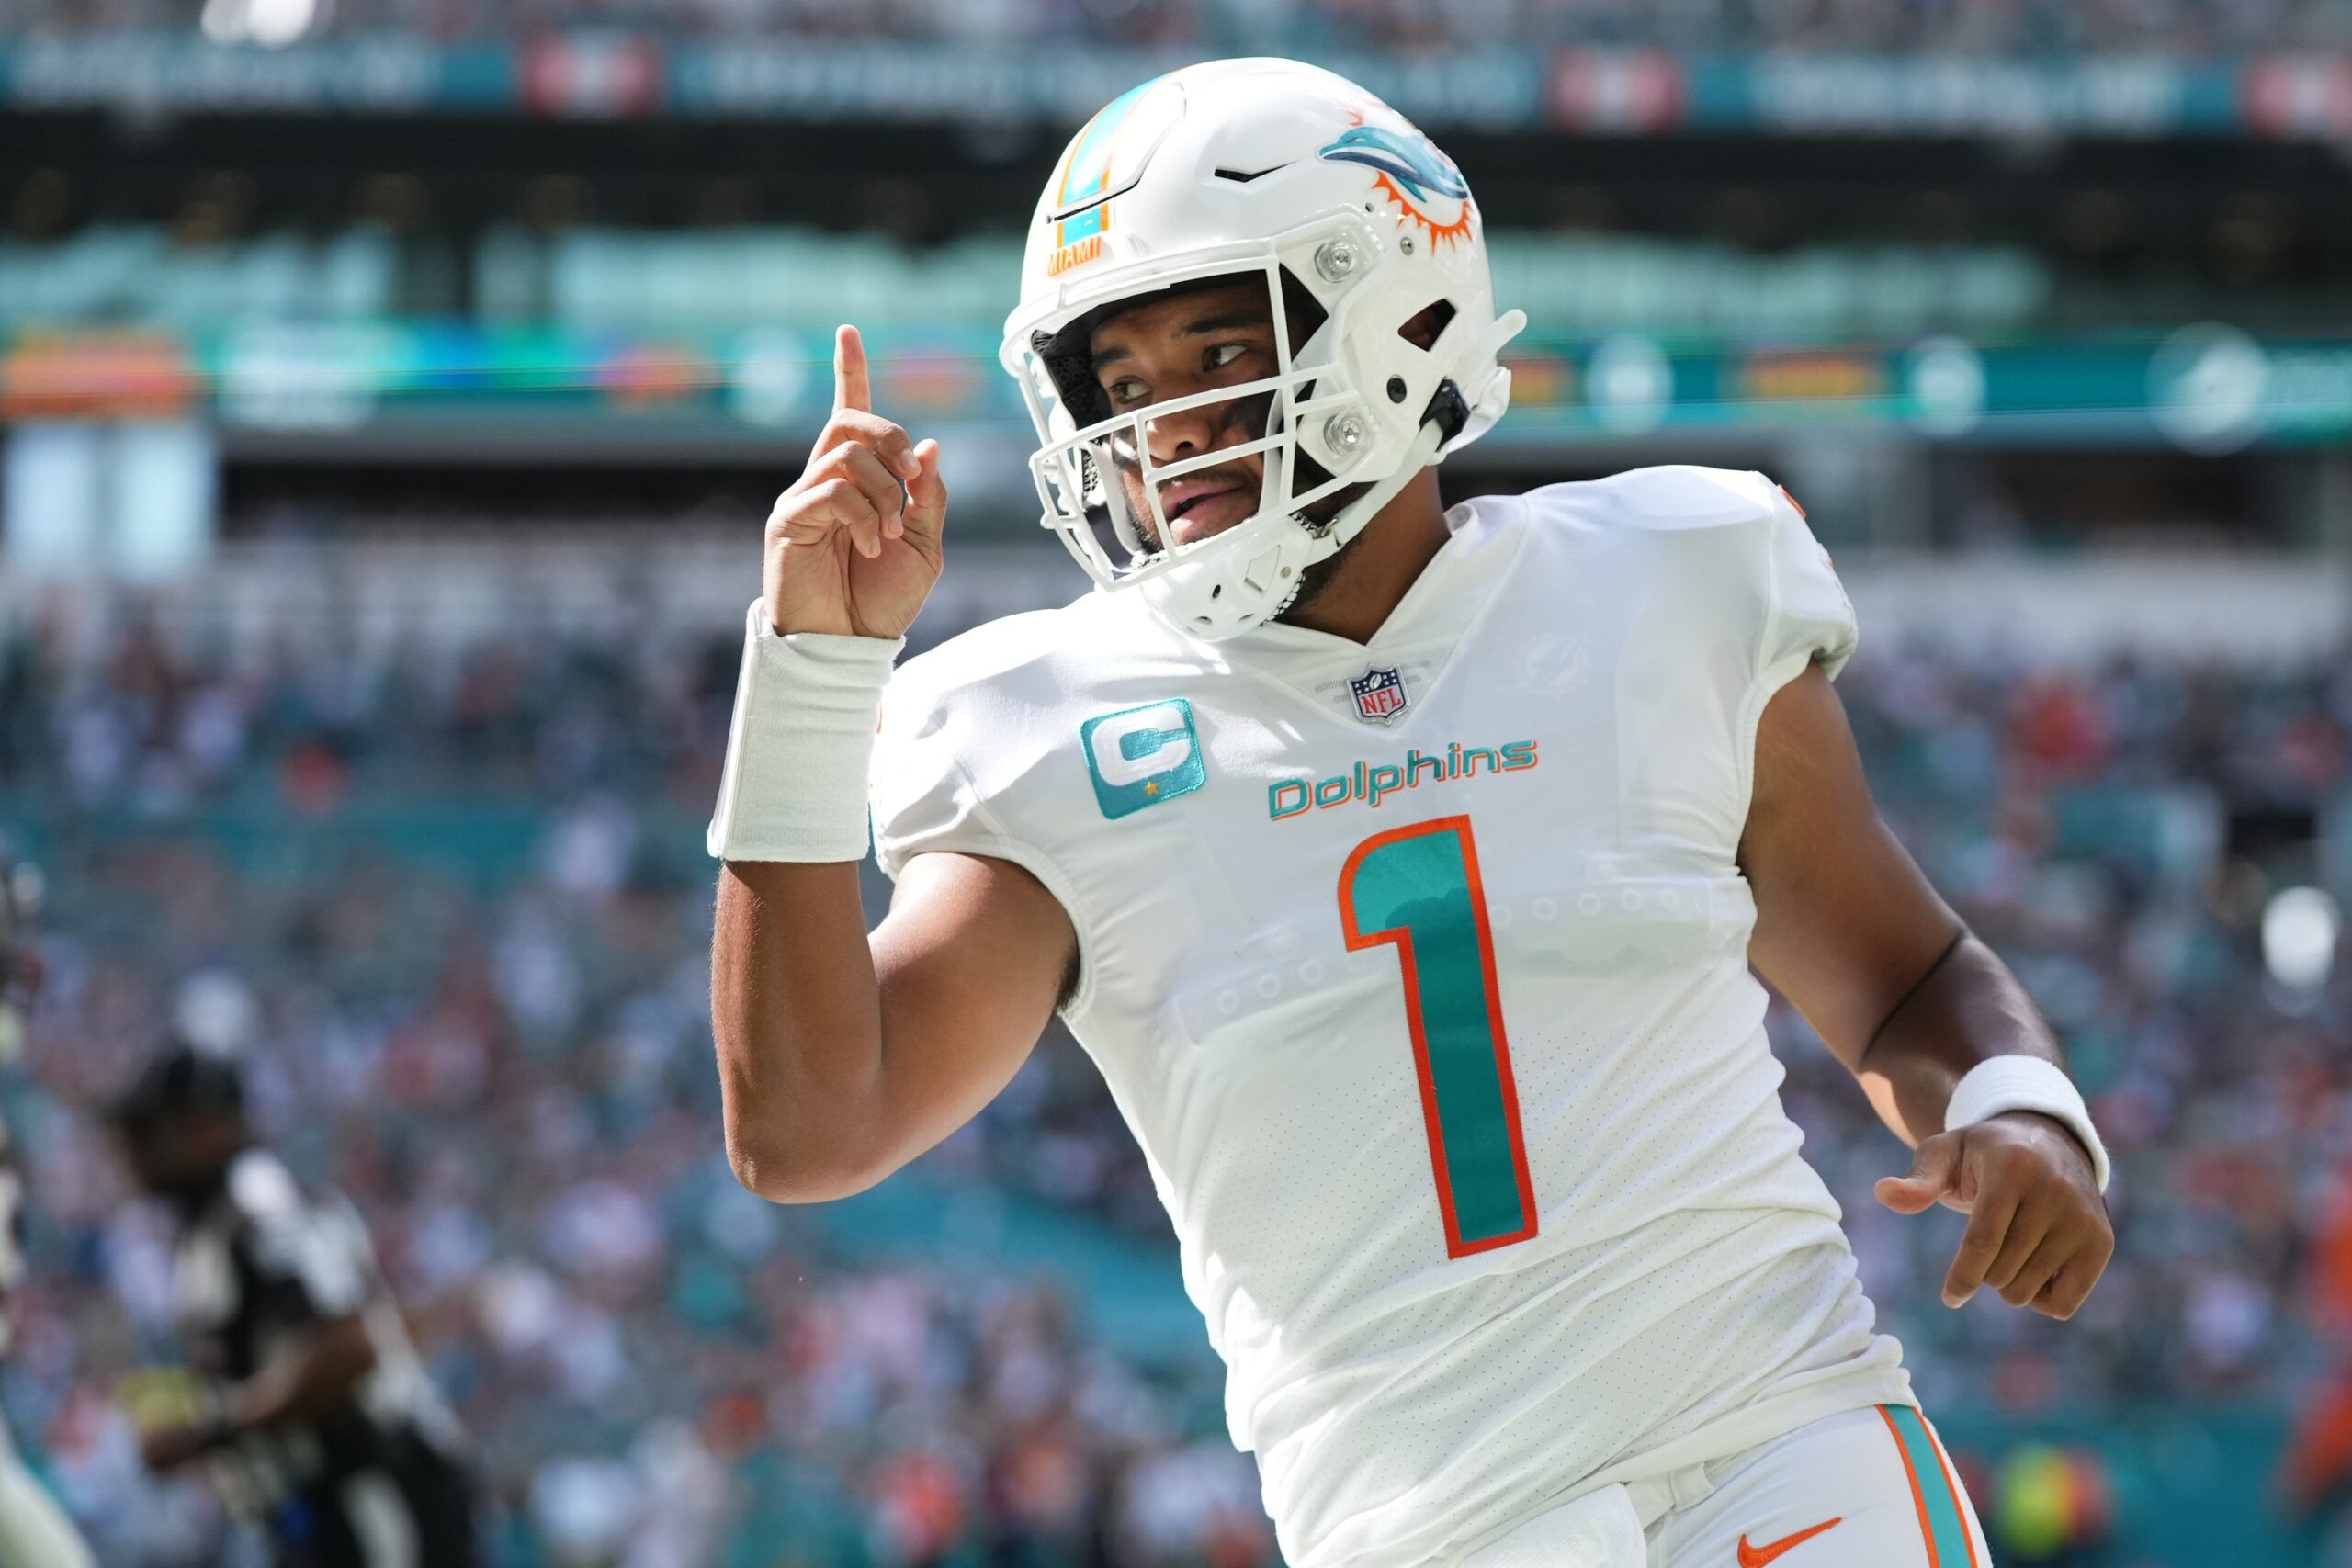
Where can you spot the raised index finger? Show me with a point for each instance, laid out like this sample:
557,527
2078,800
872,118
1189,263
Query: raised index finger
850,388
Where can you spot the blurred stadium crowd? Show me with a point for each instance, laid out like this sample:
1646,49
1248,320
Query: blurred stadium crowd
505,1060
1244,26
450,905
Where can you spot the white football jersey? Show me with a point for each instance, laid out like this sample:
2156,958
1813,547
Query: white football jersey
1418,969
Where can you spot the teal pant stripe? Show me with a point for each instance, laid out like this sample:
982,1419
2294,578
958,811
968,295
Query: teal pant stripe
1947,1527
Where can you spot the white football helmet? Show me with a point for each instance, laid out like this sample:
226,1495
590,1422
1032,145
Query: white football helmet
1287,172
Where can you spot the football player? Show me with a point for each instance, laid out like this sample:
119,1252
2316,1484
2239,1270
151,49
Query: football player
318,1423
1401,868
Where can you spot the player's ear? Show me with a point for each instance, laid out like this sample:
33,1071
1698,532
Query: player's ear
1423,330
1302,312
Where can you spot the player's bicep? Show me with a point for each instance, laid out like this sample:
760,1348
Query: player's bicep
1846,923
970,962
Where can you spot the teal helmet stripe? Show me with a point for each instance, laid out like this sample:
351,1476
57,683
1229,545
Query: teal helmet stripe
1087,169
1079,225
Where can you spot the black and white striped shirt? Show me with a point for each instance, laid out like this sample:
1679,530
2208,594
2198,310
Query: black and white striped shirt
264,1262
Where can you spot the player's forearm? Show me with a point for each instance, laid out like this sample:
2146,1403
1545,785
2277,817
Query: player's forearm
796,1015
1967,1008
310,1379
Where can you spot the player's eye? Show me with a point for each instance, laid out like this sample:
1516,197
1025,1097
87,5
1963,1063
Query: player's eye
1225,353
1126,389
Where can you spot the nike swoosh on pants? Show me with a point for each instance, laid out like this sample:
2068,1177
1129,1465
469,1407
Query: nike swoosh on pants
1757,1556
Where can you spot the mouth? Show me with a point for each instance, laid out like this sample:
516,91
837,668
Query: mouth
1203,505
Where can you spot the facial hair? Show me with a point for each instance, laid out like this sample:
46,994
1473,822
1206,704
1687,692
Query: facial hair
189,1193
1317,580
1312,583
1247,414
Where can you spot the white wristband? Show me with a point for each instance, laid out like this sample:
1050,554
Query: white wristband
794,786
2002,1084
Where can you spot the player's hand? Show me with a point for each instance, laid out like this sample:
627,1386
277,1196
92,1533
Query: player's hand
2038,1231
853,547
167,1449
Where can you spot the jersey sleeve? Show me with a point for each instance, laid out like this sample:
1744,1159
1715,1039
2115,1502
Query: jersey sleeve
309,1260
920,789
1807,616
966,761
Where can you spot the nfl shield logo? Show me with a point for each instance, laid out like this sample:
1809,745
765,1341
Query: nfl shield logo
1379,693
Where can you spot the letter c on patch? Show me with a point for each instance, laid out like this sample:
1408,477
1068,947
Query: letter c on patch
1129,748
1143,756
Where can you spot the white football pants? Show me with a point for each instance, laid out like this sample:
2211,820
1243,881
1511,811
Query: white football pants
34,1531
1866,1489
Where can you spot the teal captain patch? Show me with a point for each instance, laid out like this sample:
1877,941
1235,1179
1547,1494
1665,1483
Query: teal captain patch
1139,757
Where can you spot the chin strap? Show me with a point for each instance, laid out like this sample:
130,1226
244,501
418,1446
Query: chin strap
1509,325
1447,416
1349,521
1434,433
1449,410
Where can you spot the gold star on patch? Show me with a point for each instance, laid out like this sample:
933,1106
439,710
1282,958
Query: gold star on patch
1151,788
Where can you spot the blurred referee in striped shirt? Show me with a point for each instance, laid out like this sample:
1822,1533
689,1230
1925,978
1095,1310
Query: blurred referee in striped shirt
319,1425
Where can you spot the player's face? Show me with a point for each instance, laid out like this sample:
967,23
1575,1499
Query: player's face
181,1156
1165,349
157,1158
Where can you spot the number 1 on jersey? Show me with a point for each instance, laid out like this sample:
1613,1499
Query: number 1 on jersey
1418,887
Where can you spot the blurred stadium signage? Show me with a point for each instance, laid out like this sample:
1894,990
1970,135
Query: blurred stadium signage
2203,387
611,74
130,373
145,74
1848,95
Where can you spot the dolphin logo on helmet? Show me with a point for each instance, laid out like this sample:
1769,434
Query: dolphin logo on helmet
1412,162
